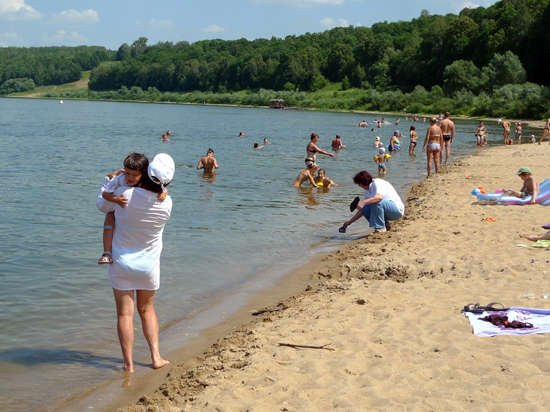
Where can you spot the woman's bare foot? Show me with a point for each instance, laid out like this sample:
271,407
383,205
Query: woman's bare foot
159,363
128,368
381,230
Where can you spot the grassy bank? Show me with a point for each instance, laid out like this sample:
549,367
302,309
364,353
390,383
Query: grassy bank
518,101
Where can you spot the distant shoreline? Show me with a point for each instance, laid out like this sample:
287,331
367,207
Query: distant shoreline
537,124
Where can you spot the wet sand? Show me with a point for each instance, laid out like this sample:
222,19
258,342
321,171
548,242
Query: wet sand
387,307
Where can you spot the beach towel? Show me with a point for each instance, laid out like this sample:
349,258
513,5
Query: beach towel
539,318
538,243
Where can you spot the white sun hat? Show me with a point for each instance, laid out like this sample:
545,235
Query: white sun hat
161,169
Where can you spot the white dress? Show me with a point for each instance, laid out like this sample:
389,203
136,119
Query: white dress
137,239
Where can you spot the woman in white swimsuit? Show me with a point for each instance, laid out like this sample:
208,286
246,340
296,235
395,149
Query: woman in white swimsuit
434,141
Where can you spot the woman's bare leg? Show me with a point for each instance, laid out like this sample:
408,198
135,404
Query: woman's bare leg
124,300
429,160
150,325
436,161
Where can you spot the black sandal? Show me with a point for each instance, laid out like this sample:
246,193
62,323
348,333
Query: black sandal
477,308
353,204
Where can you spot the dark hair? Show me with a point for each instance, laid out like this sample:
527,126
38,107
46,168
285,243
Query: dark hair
338,136
255,145
447,114
147,184
412,128
210,150
313,136
136,161
362,178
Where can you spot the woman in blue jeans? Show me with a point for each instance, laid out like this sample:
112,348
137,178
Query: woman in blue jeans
380,205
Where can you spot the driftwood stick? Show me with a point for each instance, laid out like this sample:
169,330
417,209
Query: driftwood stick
262,311
295,346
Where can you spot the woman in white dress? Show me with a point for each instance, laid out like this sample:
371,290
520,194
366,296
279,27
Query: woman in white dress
137,245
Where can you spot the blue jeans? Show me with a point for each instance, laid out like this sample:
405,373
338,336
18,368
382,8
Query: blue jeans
378,213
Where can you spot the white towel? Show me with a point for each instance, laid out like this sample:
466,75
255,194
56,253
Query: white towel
539,318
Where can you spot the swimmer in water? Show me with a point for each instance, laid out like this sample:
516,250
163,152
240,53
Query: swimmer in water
241,134
323,181
165,137
266,141
257,146
381,158
337,143
306,174
208,162
412,145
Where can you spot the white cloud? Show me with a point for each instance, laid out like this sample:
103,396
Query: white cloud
62,37
301,3
17,10
329,22
75,16
213,28
160,24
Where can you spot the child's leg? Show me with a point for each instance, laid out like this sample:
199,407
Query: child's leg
108,227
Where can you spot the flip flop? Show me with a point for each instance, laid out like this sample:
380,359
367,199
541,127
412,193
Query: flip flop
477,308
546,226
353,204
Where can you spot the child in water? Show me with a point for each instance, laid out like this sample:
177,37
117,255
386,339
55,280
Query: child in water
135,165
322,180
381,158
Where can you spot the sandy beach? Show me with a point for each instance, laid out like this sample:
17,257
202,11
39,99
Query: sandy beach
385,312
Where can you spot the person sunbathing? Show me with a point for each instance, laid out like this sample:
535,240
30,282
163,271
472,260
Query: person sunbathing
529,187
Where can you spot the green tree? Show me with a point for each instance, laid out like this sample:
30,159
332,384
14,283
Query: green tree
461,74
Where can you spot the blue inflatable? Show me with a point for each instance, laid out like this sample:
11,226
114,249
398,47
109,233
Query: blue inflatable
543,197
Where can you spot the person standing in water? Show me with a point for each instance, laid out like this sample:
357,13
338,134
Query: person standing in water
312,149
208,162
337,143
518,132
412,145
506,131
434,141
448,130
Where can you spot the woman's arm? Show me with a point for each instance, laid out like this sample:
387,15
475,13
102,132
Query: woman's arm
322,151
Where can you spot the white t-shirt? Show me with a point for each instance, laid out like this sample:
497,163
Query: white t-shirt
137,239
109,186
383,187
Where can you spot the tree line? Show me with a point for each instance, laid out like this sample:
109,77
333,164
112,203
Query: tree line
25,67
478,50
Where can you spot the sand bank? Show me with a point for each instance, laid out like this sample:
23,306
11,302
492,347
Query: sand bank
389,308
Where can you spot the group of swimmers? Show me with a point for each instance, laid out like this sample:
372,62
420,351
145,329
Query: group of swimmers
321,180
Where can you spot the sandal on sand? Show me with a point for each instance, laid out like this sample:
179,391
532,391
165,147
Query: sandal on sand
353,204
105,259
477,308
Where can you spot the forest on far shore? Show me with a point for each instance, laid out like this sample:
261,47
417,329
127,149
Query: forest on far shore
484,61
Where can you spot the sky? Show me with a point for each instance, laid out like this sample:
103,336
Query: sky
110,23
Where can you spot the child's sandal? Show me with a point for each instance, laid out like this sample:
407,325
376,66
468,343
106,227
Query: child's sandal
105,259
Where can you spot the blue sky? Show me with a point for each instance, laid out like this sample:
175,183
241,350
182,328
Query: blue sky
110,23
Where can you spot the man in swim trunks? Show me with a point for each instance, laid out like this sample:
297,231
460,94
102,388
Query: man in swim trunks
448,130
208,162
312,149
337,143
546,132
506,131
529,187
